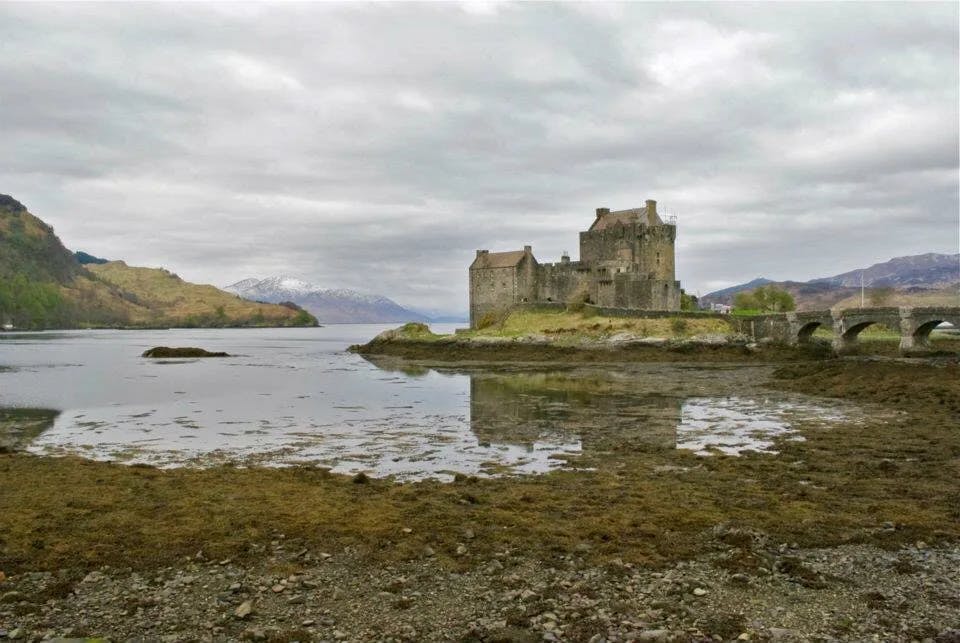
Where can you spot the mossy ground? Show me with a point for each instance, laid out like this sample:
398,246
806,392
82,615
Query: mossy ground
649,506
587,324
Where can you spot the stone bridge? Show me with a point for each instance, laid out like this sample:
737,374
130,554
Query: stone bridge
914,325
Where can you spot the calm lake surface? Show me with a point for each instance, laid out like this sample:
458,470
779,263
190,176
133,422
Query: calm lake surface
295,396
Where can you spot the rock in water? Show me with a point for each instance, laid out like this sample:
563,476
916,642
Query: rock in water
165,351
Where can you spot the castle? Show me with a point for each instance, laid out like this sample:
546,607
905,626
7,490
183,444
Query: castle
626,261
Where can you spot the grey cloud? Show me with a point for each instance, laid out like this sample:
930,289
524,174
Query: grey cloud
340,141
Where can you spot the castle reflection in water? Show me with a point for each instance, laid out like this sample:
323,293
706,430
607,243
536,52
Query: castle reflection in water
604,410
599,410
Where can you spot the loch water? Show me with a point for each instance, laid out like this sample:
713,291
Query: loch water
290,396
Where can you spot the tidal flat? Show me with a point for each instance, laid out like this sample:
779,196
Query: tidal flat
843,526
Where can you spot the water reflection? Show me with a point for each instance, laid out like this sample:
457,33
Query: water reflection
618,412
20,426
295,396
524,408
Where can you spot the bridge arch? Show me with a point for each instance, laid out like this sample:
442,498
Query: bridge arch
921,334
846,336
807,330
851,334
918,323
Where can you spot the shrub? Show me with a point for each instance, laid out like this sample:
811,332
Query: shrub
768,299
688,302
679,325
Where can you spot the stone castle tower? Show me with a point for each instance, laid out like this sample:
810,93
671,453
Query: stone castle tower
626,261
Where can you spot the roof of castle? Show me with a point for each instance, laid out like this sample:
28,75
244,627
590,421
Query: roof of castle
622,217
498,259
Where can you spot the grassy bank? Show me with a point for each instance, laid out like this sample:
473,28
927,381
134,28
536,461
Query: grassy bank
646,505
548,335
581,337
587,324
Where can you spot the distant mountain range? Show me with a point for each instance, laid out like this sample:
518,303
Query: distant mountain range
929,279
330,306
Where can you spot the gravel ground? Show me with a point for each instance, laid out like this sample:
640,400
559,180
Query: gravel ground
741,588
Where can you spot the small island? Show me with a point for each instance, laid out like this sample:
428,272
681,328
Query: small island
538,333
187,351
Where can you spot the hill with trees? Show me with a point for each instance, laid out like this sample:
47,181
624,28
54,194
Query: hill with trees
44,285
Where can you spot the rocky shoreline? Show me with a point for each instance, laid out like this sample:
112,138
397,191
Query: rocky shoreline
621,347
743,587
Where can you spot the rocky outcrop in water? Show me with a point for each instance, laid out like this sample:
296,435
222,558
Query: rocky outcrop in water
166,352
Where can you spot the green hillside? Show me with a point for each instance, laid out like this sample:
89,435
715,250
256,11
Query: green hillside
43,285
163,298
28,246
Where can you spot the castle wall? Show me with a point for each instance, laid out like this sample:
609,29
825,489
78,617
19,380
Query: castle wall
655,251
494,289
649,294
491,289
612,244
641,247
562,282
527,278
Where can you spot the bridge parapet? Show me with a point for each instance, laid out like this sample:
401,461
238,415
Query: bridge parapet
770,327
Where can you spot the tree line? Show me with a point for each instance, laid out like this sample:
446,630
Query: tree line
29,304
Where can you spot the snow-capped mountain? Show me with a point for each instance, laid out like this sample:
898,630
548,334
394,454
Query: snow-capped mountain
329,306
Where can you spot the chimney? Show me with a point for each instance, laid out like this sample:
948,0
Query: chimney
528,249
565,258
602,211
652,217
481,252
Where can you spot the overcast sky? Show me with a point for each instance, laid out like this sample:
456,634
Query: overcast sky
376,146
